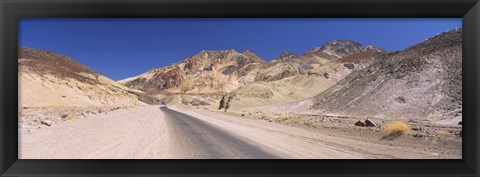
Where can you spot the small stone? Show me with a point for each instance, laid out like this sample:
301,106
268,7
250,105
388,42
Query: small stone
418,135
360,124
369,123
417,128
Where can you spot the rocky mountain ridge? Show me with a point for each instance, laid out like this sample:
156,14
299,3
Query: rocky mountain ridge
223,71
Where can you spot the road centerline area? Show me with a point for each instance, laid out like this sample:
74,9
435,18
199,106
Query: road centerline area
199,139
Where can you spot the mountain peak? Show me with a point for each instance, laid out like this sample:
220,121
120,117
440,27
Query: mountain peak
343,48
252,56
247,52
373,48
220,51
285,56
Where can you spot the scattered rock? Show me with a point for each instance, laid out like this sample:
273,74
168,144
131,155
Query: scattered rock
418,135
243,115
47,122
360,124
349,65
369,123
401,99
270,120
326,76
417,128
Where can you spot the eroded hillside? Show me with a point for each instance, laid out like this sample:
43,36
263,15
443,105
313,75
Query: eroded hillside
423,82
48,79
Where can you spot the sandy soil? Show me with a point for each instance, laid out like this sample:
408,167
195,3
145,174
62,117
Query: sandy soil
122,134
151,132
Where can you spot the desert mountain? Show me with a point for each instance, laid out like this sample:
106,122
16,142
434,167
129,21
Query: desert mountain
48,79
337,49
205,72
420,82
210,72
295,85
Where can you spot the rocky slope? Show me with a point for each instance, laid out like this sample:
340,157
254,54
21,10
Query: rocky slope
48,79
205,72
298,86
423,82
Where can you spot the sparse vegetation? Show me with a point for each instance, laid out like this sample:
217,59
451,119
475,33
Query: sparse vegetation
443,133
397,128
263,116
225,102
222,103
284,117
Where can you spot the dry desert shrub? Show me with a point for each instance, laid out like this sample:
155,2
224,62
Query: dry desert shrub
397,128
443,133
263,116
284,117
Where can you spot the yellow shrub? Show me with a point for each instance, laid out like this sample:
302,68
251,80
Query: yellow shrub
442,133
263,116
397,127
284,117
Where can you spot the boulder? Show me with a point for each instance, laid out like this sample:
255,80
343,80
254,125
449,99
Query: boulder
370,123
47,122
360,124
349,65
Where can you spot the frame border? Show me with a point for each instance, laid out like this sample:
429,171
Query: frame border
11,11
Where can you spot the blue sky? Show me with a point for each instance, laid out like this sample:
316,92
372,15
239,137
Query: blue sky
120,48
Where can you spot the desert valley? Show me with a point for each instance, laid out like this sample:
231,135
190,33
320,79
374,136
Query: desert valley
340,100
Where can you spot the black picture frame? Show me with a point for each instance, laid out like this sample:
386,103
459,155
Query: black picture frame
11,11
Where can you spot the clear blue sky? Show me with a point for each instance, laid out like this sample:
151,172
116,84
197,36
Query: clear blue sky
120,48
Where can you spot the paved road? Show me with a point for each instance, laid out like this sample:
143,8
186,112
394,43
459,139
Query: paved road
198,139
